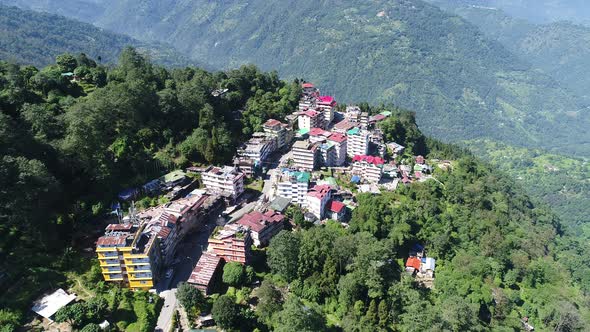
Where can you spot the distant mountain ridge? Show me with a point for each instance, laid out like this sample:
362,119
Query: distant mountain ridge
462,84
556,48
30,37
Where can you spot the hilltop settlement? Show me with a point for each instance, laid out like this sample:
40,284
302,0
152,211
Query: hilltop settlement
315,161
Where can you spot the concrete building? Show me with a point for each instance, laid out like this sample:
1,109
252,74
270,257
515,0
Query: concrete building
310,119
353,114
335,210
282,132
205,272
263,226
231,243
129,255
340,145
327,155
318,135
305,155
293,185
369,168
317,198
358,142
227,181
326,105
258,148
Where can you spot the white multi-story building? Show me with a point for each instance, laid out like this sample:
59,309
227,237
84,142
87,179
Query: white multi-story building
326,105
280,131
317,198
226,180
369,168
310,119
293,185
305,155
258,148
340,144
353,114
358,142
327,154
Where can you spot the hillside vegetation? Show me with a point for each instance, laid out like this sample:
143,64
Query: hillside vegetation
66,149
28,37
561,182
462,84
555,48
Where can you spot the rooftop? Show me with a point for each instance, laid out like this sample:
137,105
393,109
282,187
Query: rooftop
174,176
257,221
205,269
319,132
354,131
51,303
335,206
369,159
307,85
337,137
310,113
320,191
326,99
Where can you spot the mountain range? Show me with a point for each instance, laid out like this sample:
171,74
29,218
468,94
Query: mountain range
462,84
29,37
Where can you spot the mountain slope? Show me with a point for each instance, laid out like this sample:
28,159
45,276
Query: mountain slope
553,48
407,52
34,38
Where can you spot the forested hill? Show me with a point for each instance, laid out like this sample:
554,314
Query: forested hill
462,84
554,48
67,147
29,37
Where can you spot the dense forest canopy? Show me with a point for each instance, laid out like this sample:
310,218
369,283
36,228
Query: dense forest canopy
68,146
32,38
553,48
461,84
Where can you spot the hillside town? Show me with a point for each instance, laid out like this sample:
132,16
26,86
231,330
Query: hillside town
316,161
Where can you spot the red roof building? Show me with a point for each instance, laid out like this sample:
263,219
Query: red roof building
205,271
412,264
369,168
307,85
336,210
317,198
263,226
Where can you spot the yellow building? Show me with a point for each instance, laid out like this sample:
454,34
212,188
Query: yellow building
129,256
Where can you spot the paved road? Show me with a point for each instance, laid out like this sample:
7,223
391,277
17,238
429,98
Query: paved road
165,318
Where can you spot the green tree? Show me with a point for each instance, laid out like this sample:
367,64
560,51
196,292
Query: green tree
234,274
283,253
226,312
66,62
74,314
269,301
296,316
189,296
92,327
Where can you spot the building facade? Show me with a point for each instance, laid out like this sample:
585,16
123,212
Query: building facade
310,119
369,168
305,155
263,226
227,181
293,185
317,198
282,132
340,145
231,243
129,255
358,142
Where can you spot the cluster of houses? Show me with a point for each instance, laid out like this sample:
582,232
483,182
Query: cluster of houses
316,136
420,266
